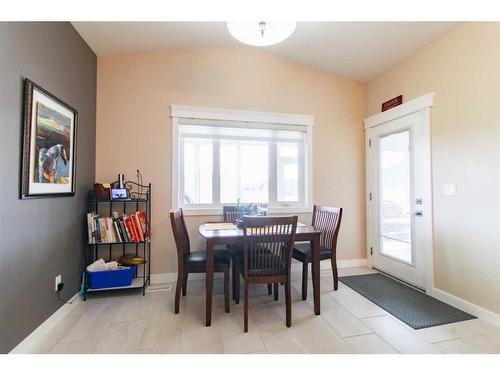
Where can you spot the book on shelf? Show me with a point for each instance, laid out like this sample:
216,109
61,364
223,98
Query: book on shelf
138,228
101,228
107,230
91,227
129,222
117,232
126,234
141,216
118,228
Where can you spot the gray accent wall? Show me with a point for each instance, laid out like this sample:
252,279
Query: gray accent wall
44,237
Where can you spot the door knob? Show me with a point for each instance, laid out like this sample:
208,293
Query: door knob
419,213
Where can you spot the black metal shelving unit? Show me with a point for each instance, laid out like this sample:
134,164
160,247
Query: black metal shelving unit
139,198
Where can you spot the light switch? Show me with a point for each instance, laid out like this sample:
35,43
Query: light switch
449,188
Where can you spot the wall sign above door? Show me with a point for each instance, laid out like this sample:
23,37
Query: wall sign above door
394,102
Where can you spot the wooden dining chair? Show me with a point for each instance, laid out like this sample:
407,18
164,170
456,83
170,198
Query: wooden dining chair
194,261
231,213
327,220
266,257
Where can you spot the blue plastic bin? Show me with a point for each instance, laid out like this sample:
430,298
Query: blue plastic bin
111,279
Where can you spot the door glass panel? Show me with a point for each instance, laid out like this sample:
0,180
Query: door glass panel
395,191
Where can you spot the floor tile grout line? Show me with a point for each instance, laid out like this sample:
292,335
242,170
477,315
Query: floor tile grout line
338,334
365,317
65,332
349,312
369,334
102,337
480,329
260,333
447,340
335,330
467,340
411,330
388,343
361,334
463,339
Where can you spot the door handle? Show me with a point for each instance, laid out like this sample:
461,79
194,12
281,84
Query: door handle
419,213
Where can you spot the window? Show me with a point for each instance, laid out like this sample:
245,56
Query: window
239,176
198,170
221,161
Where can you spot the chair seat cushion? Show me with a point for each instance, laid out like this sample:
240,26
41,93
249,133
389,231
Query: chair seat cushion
302,252
199,258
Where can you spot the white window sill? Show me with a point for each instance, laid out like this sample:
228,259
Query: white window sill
271,211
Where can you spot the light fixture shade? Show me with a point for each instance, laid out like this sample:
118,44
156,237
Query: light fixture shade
261,33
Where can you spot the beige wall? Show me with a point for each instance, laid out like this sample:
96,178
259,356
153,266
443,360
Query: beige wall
463,68
133,126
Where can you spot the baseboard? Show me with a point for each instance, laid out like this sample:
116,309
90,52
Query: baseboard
349,263
165,278
466,306
28,344
171,277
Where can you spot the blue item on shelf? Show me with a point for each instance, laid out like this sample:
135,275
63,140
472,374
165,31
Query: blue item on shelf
111,279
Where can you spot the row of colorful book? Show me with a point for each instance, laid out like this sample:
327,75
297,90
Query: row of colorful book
117,229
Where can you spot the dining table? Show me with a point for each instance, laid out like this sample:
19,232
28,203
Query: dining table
229,234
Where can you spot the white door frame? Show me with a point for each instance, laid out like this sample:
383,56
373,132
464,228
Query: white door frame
422,105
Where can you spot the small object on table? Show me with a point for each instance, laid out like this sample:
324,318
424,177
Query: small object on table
239,222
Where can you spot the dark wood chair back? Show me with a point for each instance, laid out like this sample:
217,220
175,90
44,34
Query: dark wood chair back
268,244
327,220
231,213
180,235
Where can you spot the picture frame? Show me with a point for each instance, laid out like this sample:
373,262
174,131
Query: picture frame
48,166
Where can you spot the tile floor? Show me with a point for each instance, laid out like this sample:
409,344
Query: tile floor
128,322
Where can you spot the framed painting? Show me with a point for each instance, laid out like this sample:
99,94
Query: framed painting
49,144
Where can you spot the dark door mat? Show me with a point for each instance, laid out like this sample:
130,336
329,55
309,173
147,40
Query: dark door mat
409,305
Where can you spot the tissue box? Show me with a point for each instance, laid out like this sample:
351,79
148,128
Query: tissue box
111,279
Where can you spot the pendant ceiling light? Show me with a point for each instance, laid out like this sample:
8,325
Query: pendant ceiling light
261,33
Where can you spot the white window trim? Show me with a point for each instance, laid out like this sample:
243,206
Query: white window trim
180,111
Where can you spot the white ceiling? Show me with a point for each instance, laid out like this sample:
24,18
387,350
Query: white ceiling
356,50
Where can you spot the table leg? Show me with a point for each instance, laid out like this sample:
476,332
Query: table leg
209,282
316,274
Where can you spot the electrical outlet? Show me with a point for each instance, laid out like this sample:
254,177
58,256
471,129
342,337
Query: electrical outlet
449,188
58,281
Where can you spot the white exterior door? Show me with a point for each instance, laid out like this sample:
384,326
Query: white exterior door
399,197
